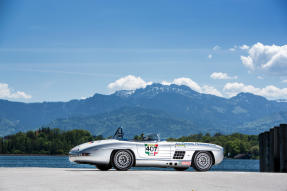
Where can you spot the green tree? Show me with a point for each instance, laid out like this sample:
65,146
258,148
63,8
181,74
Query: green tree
44,141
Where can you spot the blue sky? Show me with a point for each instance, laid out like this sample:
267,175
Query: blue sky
57,50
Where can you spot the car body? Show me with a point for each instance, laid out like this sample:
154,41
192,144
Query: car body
150,152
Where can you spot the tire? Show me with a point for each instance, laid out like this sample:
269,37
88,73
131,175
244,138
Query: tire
122,160
202,161
104,167
180,169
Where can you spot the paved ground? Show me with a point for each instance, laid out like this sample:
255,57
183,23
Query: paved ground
92,179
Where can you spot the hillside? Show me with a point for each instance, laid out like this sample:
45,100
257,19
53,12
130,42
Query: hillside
245,113
133,120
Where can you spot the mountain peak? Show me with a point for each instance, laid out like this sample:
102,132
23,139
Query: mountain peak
124,93
169,87
246,96
157,88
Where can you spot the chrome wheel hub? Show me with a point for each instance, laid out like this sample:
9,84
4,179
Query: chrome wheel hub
123,159
203,160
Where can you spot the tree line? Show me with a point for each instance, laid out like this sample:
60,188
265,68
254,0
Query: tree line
44,141
57,142
233,144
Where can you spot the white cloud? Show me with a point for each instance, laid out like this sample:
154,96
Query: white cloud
129,82
270,59
187,82
248,62
166,83
260,77
233,48
222,76
244,47
216,47
210,90
284,81
6,92
209,56
271,91
194,86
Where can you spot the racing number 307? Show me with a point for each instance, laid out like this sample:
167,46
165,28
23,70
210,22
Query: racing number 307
151,149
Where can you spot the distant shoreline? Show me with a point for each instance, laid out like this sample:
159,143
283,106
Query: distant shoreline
30,155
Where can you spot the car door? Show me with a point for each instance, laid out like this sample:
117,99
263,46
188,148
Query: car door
154,150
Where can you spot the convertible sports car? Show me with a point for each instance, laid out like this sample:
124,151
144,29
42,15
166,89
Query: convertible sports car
149,152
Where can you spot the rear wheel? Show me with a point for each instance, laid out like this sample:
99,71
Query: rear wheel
104,167
202,161
122,160
180,169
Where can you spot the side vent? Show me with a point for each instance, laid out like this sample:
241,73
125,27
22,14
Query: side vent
178,154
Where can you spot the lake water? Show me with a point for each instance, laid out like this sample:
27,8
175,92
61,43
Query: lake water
63,162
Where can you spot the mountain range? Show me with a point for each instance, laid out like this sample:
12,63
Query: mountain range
171,110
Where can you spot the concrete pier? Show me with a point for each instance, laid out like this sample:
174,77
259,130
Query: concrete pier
46,179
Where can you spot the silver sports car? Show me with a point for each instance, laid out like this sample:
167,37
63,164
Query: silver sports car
149,152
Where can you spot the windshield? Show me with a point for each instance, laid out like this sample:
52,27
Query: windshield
149,137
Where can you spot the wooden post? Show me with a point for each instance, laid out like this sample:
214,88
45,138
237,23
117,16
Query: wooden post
266,151
276,150
271,150
261,151
283,147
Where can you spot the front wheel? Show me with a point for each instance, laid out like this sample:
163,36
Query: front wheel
202,161
123,160
104,167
